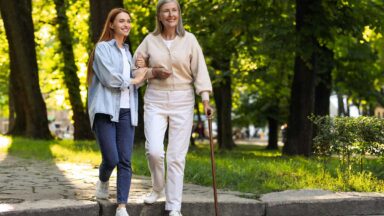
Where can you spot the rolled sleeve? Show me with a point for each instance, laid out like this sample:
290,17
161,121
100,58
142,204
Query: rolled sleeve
204,96
144,51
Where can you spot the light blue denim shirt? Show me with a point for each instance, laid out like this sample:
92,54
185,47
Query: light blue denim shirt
108,82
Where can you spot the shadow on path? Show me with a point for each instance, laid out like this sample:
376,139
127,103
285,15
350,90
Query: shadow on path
29,180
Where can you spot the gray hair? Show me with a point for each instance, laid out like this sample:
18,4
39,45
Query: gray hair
180,31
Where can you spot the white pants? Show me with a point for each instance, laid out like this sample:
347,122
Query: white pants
173,108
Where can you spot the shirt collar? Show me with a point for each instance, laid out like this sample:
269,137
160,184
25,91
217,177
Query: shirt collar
113,42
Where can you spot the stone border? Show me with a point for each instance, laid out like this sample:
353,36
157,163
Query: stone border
314,207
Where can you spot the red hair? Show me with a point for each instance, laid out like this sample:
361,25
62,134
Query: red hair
106,35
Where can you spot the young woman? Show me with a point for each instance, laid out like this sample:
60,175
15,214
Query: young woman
176,68
113,103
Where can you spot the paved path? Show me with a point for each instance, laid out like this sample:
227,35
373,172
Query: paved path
25,181
39,188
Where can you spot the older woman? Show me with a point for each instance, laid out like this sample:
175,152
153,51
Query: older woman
176,68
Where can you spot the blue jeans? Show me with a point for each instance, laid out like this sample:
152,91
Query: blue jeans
116,142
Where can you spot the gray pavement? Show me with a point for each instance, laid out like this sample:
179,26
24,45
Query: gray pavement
42,188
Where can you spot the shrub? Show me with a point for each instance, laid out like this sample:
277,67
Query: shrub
351,139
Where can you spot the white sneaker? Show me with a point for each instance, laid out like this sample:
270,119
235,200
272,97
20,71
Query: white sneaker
153,197
121,212
175,213
102,190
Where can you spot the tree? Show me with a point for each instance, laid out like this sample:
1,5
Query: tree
4,74
99,13
143,16
323,88
299,139
24,72
325,30
17,118
82,128
211,33
275,68
343,27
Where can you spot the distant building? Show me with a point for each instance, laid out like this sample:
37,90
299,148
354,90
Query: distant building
379,112
59,124
4,124
334,106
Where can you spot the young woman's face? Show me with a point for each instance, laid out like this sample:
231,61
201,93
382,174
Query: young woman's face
169,15
121,25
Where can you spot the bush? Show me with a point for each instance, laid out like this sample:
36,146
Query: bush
351,139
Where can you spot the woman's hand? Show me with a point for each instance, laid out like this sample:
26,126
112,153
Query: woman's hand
208,110
161,73
140,61
139,75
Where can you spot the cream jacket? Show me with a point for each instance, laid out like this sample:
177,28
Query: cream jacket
184,59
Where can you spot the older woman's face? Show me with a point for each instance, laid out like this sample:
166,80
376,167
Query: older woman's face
169,15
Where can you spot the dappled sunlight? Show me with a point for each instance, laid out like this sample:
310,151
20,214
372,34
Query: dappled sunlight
5,143
62,153
6,207
77,171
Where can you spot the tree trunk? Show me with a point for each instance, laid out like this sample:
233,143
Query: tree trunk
371,109
340,105
299,140
347,113
11,108
223,98
300,128
199,120
273,127
17,17
82,128
139,132
194,128
99,13
16,106
324,85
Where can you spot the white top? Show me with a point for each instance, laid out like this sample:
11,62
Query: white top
168,43
124,99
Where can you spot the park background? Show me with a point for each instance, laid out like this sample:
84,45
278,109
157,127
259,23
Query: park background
272,62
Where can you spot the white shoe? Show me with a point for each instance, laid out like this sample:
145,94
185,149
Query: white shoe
175,213
102,190
121,212
153,197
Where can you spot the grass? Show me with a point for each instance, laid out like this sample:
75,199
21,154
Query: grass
247,168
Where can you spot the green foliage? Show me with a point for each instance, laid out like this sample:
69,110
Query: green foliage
356,28
143,20
4,71
78,16
266,65
347,135
49,57
353,140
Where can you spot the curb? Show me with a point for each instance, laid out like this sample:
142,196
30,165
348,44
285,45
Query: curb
188,209
373,206
62,207
331,207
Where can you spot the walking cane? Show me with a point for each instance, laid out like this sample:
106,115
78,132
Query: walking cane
213,164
